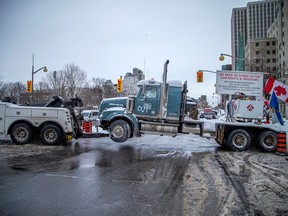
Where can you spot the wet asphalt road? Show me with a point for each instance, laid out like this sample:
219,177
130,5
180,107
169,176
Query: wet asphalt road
97,177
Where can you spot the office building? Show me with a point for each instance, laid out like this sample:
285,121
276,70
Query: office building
250,22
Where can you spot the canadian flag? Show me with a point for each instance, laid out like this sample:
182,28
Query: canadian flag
280,89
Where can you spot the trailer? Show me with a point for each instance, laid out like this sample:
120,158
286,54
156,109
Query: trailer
240,136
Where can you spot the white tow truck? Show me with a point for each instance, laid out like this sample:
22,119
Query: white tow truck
52,125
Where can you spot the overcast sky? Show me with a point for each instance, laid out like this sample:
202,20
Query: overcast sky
108,38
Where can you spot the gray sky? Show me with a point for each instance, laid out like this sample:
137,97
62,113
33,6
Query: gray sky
108,38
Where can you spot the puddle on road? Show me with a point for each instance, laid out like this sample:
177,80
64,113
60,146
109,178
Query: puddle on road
44,159
125,155
71,158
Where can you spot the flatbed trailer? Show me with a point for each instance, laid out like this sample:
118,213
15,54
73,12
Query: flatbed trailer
239,136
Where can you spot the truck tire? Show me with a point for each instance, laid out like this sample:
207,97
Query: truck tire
239,140
50,134
21,133
268,141
130,134
119,131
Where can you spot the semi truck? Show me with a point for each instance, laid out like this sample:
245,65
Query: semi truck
53,123
157,107
160,107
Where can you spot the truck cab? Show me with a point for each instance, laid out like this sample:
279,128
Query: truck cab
151,103
157,107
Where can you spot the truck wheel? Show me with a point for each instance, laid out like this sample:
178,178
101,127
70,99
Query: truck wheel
50,134
21,133
239,140
119,131
268,141
130,134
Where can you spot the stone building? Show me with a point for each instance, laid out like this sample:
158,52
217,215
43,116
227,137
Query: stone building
131,80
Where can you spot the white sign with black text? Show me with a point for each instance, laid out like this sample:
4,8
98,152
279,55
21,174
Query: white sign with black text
248,83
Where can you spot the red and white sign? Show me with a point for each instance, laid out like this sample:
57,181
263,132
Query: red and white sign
250,107
230,82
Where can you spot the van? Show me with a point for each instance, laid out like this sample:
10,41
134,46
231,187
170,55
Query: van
90,115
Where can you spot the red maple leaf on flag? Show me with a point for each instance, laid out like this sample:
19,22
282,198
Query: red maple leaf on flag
279,90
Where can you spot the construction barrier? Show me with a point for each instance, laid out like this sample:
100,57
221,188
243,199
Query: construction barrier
87,127
281,143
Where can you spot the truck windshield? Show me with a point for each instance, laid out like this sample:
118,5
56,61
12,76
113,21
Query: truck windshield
85,114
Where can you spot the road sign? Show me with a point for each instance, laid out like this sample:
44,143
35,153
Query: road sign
248,83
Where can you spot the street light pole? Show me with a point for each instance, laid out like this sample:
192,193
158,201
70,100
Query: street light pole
33,72
221,58
209,71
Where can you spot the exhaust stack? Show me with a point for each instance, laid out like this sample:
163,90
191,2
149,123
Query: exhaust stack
163,99
164,77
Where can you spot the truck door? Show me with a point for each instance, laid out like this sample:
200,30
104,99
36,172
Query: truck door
147,101
2,119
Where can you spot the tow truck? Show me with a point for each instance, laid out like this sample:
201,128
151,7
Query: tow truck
54,122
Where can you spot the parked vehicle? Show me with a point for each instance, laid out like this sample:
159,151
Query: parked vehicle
208,113
90,115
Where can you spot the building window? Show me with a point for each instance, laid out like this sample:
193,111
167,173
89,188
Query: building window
268,43
257,60
268,52
257,44
273,43
273,51
273,60
257,52
268,60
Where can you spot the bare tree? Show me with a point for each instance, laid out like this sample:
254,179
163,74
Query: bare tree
97,89
76,79
1,79
12,90
67,83
56,83
109,90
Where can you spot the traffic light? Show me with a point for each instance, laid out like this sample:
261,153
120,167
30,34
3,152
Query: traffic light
199,76
119,85
29,86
